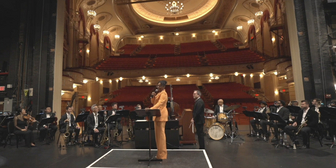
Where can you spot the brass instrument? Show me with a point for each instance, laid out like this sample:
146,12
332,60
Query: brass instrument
105,137
130,128
301,126
116,133
67,133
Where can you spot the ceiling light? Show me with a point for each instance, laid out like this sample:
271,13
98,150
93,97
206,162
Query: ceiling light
117,36
213,31
236,73
89,98
140,80
74,86
285,77
87,51
117,80
178,79
258,14
244,75
193,35
97,78
239,27
165,76
85,81
251,75
275,73
211,75
91,13
216,33
260,1
62,93
143,77
139,38
217,77
96,26
101,81
142,36
174,7
146,80
149,83
110,81
161,37
250,22
177,34
106,32
261,75
276,92
273,39
121,78
188,75
210,80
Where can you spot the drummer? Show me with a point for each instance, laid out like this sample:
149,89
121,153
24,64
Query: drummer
220,108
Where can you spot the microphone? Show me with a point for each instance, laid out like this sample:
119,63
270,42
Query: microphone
155,91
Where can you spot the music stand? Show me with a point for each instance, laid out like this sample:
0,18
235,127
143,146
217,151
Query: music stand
294,110
109,120
81,118
149,113
249,114
278,119
46,121
328,115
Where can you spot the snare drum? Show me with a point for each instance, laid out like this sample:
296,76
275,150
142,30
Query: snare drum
209,121
222,117
216,131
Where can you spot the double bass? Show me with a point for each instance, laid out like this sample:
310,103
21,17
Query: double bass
173,107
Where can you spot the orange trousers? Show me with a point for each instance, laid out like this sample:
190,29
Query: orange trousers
160,138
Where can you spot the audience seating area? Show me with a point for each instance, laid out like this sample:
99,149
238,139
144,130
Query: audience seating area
198,47
131,95
228,43
123,63
128,49
158,49
182,95
177,61
244,56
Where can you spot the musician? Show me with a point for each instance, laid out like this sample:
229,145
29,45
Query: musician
69,118
294,103
220,107
308,118
95,124
45,128
138,107
317,103
21,128
112,113
198,117
159,101
263,109
283,112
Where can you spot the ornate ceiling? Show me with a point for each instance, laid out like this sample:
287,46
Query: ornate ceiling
151,18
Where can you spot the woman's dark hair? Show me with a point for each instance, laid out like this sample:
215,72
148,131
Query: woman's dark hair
163,83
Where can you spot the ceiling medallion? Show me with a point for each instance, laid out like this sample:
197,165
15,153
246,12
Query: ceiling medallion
174,7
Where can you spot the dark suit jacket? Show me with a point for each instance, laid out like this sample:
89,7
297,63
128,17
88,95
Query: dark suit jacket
284,113
217,108
264,113
91,122
62,123
198,112
311,116
44,115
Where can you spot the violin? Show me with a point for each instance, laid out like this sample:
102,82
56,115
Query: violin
29,118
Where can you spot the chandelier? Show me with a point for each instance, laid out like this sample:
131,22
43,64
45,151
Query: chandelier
260,1
96,26
250,22
258,14
174,7
91,13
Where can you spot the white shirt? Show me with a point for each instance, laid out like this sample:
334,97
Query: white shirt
69,117
261,109
48,115
221,108
304,115
279,109
95,116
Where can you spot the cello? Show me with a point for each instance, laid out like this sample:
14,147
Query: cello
173,107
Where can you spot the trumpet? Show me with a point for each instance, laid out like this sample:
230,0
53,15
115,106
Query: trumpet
301,126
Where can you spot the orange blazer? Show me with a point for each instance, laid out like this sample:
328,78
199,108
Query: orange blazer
160,102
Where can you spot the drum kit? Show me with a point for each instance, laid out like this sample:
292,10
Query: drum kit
215,125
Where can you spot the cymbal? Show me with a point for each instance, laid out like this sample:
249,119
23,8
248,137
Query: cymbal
233,107
208,111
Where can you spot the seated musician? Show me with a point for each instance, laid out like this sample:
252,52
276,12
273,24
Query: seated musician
307,119
95,125
115,123
69,118
21,124
283,112
50,127
220,107
317,103
263,109
294,103
332,123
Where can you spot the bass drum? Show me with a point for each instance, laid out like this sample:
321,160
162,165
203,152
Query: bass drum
216,131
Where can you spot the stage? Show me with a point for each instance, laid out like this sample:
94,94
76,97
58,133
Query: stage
181,158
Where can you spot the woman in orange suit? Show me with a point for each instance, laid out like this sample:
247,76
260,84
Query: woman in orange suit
159,101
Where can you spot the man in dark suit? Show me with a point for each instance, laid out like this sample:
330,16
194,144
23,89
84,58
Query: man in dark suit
69,118
220,107
95,125
45,128
263,110
114,123
198,117
283,112
308,118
